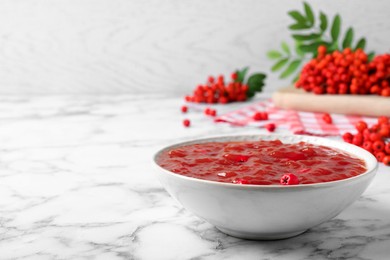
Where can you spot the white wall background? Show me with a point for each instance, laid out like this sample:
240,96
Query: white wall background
145,46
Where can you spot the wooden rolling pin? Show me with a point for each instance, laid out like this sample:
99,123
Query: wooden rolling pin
363,105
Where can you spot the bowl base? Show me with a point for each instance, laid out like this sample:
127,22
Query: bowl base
260,236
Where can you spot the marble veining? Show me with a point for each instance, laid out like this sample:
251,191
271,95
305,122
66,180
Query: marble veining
76,182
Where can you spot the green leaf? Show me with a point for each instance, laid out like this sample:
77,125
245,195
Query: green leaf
309,13
299,26
335,30
274,54
291,68
306,37
280,64
323,22
348,38
298,17
331,46
241,74
312,47
285,48
255,83
361,44
298,50
371,56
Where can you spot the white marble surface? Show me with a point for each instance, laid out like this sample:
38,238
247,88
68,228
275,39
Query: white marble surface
76,182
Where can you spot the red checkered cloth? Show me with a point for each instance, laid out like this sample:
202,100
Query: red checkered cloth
295,121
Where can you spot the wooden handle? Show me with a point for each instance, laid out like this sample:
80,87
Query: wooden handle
363,105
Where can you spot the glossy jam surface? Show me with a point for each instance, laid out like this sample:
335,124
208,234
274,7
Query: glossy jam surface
260,162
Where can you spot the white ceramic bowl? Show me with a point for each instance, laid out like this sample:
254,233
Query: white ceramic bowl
267,211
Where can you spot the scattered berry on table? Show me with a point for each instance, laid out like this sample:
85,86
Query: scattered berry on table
210,112
186,122
258,116
213,112
207,111
327,118
270,127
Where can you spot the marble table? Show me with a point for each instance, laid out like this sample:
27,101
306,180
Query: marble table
77,182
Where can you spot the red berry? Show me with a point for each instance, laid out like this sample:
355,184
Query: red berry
257,116
184,109
386,160
186,122
361,125
260,116
221,79
383,120
234,76
289,179
367,145
265,115
378,146
327,118
366,134
270,127
375,137
207,111
321,50
374,128
211,79
223,100
213,112
318,90
387,148
380,156
357,139
385,92
347,137
384,131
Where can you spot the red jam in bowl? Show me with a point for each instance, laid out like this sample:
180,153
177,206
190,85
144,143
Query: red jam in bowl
261,162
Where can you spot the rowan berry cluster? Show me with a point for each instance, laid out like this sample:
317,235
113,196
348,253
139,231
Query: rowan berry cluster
373,138
216,90
379,75
346,72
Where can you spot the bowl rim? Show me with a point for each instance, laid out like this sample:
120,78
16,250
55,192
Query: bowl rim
368,158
